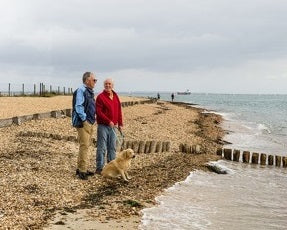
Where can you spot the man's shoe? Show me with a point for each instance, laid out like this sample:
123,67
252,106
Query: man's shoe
88,173
98,171
83,176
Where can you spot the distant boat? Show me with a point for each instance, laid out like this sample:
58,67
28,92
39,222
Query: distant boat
187,92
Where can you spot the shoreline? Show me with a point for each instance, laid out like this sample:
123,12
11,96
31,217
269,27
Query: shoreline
53,164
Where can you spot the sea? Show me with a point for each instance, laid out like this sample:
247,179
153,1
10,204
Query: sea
247,197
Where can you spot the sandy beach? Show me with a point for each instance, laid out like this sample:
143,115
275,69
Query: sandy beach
38,185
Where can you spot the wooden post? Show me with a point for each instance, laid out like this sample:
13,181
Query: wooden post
50,89
9,89
236,155
23,89
168,146
227,154
64,90
196,149
193,149
158,148
245,156
56,114
255,158
69,112
34,89
181,147
263,158
141,147
129,144
135,146
147,147
152,146
188,148
284,162
278,161
219,152
164,146
270,160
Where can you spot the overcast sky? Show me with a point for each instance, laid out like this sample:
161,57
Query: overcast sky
220,46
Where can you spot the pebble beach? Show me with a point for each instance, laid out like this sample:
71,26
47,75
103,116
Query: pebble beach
39,189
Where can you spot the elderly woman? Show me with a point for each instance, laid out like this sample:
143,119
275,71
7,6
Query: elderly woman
109,116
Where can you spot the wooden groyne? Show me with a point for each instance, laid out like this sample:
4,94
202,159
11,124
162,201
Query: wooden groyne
252,157
139,146
186,148
57,114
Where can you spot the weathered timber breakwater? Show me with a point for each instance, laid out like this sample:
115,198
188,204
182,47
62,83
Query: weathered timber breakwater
252,157
56,114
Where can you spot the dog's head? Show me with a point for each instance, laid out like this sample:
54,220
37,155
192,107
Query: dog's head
128,154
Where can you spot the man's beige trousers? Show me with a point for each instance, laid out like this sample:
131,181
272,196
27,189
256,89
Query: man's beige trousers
85,135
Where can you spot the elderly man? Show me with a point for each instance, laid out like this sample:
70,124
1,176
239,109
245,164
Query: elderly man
83,118
109,116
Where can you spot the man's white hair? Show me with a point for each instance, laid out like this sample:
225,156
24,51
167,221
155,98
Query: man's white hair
109,80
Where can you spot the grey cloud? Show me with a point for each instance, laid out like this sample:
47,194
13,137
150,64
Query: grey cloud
154,36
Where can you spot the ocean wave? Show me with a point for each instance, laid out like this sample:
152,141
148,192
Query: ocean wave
263,128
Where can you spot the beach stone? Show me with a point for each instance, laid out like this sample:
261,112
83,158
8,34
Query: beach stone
215,168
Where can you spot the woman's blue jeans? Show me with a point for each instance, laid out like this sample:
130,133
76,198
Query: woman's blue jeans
106,142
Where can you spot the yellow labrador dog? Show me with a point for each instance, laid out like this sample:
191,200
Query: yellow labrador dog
120,165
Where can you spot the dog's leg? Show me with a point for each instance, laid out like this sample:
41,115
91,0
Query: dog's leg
123,175
127,175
